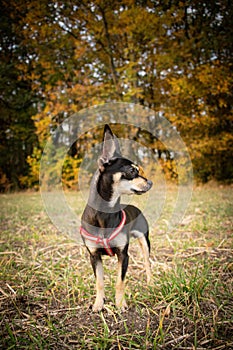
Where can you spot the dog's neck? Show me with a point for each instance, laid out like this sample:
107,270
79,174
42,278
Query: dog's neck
101,212
102,196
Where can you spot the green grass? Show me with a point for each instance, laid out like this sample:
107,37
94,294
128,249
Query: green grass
47,286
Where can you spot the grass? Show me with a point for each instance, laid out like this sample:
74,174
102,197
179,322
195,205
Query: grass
47,285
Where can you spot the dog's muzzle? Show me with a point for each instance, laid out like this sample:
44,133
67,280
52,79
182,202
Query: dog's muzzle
145,188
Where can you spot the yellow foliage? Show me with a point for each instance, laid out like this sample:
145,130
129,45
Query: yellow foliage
70,173
32,179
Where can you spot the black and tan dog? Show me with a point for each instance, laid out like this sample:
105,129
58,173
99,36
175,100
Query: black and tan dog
108,225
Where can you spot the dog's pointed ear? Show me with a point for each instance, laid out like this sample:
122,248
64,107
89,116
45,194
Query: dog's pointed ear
111,148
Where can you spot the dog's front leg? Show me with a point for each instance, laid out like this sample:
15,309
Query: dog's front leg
123,260
97,266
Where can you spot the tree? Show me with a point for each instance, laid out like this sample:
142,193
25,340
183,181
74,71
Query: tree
17,102
200,91
174,57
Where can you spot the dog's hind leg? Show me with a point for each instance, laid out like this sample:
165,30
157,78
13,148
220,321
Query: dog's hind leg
97,266
145,248
123,260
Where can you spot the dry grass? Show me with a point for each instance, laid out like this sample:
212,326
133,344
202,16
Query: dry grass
47,286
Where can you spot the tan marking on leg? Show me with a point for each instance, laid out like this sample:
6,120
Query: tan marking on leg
145,252
120,290
99,301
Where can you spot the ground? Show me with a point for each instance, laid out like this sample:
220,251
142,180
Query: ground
47,286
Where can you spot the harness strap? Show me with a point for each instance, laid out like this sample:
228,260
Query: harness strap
105,242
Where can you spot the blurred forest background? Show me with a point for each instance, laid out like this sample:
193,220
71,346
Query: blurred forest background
58,57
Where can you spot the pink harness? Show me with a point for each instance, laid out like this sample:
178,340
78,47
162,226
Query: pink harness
105,242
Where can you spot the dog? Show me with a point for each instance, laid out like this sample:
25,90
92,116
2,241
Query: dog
107,225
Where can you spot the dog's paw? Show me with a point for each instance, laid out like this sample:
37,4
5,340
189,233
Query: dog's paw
121,305
98,306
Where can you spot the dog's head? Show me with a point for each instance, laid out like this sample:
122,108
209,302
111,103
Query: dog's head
124,176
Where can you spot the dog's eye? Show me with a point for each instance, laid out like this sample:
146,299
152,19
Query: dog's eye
133,171
130,173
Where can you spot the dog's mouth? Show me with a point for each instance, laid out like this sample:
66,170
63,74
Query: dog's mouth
139,192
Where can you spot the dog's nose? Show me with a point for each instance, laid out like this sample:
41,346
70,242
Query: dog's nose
149,183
